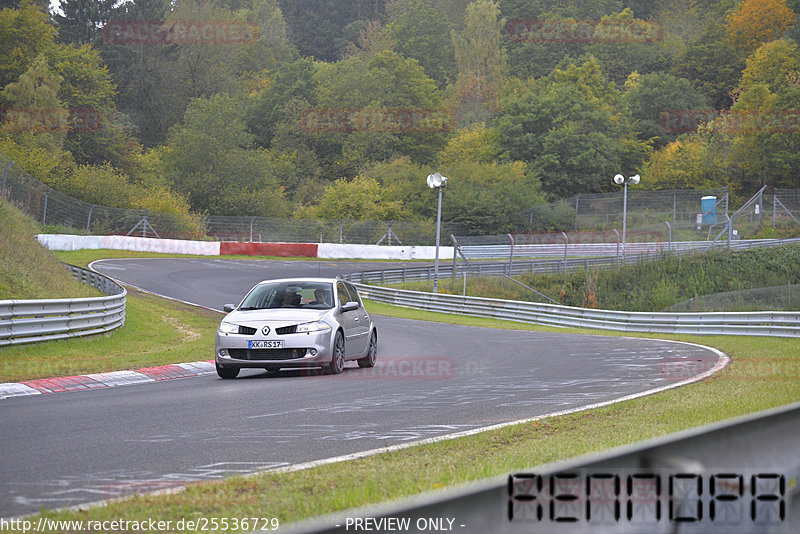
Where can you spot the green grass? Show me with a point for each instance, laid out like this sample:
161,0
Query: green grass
156,332
764,374
28,270
647,286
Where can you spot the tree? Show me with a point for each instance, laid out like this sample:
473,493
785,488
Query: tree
87,86
422,33
712,64
755,22
140,71
481,61
24,35
315,26
649,96
773,64
384,83
35,97
211,160
474,144
568,129
362,198
292,80
82,20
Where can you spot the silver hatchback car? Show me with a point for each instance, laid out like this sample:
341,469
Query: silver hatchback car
297,322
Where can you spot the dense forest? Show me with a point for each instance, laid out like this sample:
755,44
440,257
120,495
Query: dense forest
340,109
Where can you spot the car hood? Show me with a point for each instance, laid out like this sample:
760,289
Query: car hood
281,315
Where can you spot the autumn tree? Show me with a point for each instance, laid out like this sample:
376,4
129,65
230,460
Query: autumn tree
755,22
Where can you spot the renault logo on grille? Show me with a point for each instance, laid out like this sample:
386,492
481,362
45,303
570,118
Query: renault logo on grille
265,330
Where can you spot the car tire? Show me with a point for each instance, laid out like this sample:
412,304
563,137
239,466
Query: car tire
227,372
337,358
372,353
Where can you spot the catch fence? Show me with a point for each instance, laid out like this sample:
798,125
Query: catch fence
659,214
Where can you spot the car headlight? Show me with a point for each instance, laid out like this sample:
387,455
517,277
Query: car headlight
228,328
316,326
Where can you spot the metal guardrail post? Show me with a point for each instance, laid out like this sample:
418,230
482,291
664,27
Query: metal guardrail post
566,244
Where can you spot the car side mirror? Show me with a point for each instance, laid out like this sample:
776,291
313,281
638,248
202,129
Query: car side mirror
350,306
229,307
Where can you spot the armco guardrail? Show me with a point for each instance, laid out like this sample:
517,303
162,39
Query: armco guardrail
495,251
30,321
770,323
547,265
737,476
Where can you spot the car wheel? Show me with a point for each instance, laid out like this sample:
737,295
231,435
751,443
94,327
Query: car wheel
337,359
372,353
227,372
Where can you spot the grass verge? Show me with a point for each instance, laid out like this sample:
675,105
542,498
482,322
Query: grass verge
764,374
156,332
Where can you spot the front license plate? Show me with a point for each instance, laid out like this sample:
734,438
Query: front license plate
277,344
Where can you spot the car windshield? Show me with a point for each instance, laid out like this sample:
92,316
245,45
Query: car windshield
289,294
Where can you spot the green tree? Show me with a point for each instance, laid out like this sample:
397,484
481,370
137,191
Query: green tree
649,96
422,33
211,159
387,80
481,61
712,64
361,198
140,71
315,26
80,22
291,81
35,95
24,35
568,128
474,144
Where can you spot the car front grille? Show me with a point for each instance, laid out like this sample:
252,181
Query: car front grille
249,331
266,354
286,330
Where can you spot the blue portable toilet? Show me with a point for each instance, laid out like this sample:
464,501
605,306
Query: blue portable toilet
708,204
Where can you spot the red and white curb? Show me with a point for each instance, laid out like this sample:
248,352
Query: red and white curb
106,380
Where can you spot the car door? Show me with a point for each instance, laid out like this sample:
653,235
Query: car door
350,322
363,319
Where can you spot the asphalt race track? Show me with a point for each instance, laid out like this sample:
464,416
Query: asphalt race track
431,380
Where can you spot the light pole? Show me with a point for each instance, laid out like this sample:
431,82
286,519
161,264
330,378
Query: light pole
436,180
620,180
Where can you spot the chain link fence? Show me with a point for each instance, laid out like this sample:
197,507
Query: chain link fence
590,217
649,210
61,213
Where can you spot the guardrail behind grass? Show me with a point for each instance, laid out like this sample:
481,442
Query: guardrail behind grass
31,321
770,323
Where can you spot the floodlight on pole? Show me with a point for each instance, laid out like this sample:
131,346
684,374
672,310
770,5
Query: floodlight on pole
437,181
619,179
